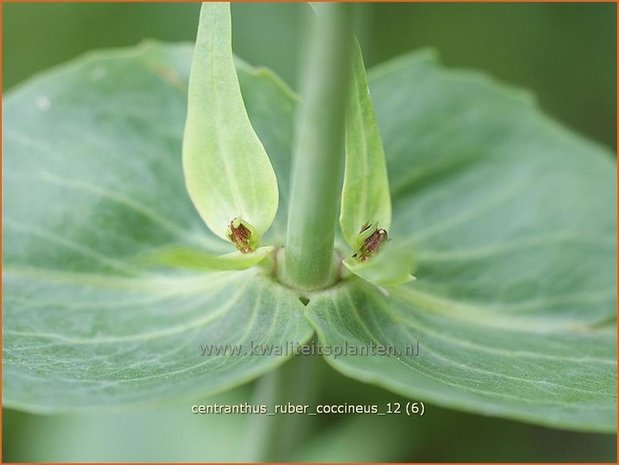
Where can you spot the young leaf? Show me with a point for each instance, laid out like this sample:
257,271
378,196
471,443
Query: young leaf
227,171
365,194
196,259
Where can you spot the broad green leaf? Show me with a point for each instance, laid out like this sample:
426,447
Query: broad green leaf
227,170
391,267
365,193
470,358
195,259
81,341
92,183
512,221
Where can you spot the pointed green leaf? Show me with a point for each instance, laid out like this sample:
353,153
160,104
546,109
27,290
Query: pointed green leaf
365,194
196,259
391,267
227,170
93,183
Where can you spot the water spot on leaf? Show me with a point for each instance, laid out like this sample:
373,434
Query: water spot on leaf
98,73
43,103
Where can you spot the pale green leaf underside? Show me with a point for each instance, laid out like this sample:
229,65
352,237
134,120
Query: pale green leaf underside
365,193
196,259
93,186
227,170
512,222
510,219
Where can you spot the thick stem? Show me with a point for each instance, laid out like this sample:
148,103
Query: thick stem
319,150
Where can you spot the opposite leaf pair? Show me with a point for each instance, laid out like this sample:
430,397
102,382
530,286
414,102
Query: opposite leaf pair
232,183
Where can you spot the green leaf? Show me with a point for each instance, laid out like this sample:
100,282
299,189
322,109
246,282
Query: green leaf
78,341
472,358
365,193
512,222
195,259
227,170
391,267
93,183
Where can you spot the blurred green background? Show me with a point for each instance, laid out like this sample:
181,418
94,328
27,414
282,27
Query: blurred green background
564,53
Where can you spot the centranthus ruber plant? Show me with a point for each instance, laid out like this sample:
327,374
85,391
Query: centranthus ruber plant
171,195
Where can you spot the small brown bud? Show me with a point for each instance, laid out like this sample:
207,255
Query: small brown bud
242,235
370,239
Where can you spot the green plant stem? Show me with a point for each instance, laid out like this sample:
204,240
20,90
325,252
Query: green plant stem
275,438
319,150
